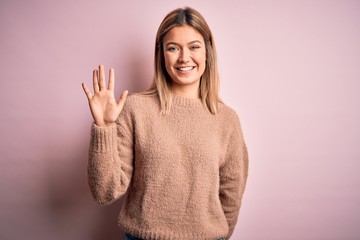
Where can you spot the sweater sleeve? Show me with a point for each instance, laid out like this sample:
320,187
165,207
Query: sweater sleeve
110,163
233,175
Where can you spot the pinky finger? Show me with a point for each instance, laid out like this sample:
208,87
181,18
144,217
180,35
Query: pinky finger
87,91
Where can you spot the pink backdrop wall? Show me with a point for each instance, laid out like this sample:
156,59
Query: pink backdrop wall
291,69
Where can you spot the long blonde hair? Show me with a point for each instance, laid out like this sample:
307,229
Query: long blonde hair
209,83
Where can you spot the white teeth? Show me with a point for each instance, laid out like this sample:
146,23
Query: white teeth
185,68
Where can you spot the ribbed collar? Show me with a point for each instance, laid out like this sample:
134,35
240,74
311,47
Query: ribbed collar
186,102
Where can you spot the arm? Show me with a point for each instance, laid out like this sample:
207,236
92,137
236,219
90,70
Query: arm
233,176
110,161
109,169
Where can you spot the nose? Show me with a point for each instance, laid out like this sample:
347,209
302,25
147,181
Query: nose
184,56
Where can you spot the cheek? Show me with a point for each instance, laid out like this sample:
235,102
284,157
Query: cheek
202,62
168,65
168,60
201,58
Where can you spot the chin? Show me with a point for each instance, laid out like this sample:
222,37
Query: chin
181,81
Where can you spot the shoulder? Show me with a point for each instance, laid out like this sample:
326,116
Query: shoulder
227,113
138,106
141,105
136,98
140,101
229,118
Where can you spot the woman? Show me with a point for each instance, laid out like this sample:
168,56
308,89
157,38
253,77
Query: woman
176,149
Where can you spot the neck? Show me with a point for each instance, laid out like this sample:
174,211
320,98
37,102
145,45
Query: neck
186,91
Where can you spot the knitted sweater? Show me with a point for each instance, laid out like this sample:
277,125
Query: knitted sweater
184,173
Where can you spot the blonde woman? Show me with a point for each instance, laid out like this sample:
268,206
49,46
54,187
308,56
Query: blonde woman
176,149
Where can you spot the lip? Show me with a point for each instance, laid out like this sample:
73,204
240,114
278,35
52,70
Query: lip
185,68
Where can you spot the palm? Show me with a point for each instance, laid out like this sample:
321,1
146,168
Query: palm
103,105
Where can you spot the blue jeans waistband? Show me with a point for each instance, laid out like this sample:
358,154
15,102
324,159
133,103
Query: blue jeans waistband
128,236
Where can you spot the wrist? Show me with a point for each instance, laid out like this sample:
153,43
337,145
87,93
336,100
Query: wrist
101,124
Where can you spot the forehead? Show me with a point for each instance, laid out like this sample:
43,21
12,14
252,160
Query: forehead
183,34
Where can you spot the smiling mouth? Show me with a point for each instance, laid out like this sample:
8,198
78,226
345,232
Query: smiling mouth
185,69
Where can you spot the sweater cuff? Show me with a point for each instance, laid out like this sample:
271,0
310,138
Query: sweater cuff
103,138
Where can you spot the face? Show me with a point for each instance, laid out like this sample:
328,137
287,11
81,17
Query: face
185,57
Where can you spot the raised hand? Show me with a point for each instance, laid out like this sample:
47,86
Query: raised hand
103,105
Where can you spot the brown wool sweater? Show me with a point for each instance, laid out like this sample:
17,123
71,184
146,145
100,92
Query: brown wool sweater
185,172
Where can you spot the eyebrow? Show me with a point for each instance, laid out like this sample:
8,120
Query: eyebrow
192,42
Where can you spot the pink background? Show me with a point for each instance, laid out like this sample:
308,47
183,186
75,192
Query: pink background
291,69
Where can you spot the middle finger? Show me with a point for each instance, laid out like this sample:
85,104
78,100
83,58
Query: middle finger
101,77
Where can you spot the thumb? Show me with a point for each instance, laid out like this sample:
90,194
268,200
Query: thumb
122,98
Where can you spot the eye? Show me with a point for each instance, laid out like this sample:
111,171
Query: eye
194,47
171,49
